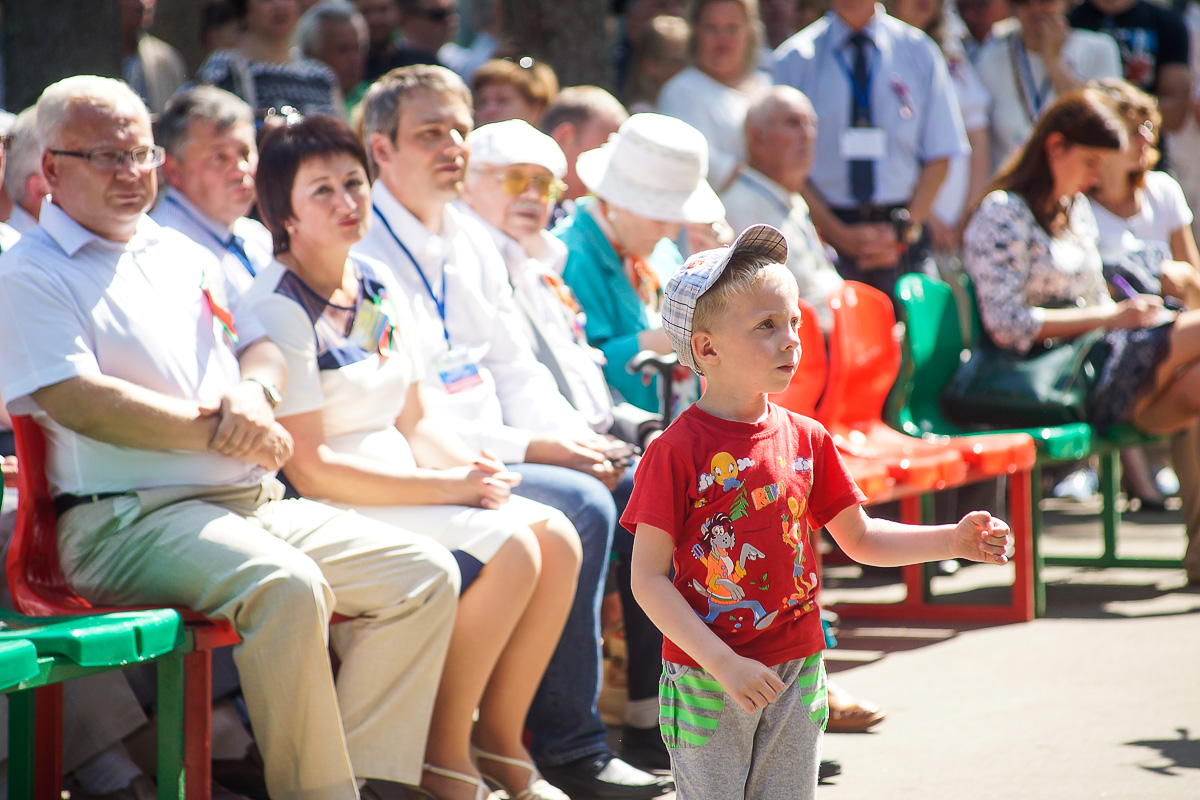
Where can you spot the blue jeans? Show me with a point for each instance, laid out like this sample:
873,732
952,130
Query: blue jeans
564,719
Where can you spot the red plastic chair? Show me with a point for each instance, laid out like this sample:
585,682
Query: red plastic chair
865,319
863,364
865,359
38,588
804,391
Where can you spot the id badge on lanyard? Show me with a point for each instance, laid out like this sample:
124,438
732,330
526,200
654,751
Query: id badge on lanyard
458,371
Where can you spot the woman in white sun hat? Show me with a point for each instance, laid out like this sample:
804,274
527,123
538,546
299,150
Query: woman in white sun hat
646,181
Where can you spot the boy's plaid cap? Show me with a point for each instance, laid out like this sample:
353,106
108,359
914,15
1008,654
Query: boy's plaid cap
698,275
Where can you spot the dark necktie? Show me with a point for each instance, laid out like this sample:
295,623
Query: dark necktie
237,246
862,173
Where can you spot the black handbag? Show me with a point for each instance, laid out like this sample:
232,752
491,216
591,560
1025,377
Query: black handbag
999,387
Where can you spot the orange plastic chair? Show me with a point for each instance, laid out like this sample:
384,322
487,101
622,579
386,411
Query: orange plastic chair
863,364
865,359
864,312
804,391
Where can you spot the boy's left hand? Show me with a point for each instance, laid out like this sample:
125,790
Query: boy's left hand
981,537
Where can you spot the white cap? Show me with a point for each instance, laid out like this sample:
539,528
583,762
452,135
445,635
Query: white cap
515,141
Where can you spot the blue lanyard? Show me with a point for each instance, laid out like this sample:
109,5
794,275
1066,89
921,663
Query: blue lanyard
1038,94
237,252
440,305
862,94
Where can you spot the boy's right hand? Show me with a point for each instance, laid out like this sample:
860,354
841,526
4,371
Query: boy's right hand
748,682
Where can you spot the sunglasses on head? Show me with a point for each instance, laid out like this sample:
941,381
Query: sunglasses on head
516,183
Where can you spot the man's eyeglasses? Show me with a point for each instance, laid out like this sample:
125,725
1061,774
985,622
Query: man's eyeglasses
111,158
516,183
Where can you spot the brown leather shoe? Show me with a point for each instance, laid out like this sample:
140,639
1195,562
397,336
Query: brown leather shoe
848,715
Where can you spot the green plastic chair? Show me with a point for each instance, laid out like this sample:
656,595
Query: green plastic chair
1107,448
18,663
64,648
934,344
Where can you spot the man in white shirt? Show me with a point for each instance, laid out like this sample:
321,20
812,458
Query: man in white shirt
156,392
514,176
208,134
23,173
781,129
482,375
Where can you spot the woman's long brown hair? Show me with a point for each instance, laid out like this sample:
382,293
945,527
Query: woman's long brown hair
1085,118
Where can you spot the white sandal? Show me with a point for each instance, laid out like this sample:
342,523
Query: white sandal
481,789
538,787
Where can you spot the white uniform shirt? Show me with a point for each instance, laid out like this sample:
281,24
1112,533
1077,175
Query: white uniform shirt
912,101
74,304
1001,67
176,211
536,286
973,103
517,396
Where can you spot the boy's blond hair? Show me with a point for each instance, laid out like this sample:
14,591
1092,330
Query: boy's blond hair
743,273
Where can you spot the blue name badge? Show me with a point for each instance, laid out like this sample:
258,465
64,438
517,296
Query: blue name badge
458,371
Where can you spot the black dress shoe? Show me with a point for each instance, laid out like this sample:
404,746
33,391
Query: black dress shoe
606,777
828,769
644,748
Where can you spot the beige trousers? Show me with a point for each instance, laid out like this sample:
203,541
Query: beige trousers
277,569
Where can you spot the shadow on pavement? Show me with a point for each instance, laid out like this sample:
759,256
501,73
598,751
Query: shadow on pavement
1182,753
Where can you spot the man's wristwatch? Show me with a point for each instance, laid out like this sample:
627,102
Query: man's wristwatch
272,394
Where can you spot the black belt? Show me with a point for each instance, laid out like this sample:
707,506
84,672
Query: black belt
65,502
871,213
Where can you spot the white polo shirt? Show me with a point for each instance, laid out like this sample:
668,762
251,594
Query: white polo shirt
74,304
175,210
516,396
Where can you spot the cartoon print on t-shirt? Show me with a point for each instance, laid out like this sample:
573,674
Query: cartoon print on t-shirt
795,533
722,583
725,471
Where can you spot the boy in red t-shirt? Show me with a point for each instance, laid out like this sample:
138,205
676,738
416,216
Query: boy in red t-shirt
729,496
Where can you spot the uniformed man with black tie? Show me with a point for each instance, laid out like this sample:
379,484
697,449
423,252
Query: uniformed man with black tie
889,124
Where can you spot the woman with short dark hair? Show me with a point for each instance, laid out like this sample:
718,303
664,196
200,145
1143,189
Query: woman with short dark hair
356,413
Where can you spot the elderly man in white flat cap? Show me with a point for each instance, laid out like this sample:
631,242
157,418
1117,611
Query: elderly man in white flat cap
514,177
648,180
